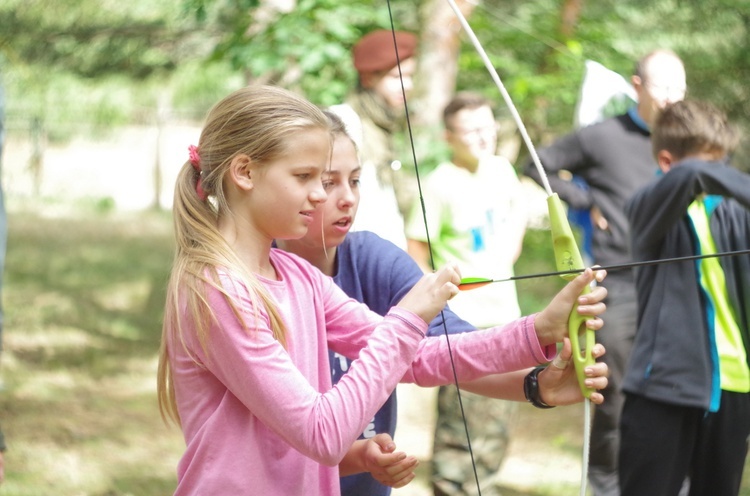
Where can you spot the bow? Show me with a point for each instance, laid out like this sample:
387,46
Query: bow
567,254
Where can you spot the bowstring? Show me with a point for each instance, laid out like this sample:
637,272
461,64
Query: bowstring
429,247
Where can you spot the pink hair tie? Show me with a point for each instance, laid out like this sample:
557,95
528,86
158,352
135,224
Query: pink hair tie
195,157
195,161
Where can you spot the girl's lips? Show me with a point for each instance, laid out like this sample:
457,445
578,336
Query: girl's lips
308,216
343,225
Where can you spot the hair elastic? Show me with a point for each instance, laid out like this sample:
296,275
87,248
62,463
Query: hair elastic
195,160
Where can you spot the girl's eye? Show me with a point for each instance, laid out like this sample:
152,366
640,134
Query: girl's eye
327,185
354,183
303,176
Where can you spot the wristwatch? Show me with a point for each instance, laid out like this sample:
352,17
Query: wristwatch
531,389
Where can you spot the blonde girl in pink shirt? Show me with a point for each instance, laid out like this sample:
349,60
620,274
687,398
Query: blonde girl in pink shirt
243,365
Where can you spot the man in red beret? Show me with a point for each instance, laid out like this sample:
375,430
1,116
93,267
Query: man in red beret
373,112
375,60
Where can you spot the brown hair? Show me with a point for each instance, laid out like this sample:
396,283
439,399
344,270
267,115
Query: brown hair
690,127
257,121
461,101
338,127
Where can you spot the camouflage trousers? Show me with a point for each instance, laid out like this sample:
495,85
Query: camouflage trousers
489,421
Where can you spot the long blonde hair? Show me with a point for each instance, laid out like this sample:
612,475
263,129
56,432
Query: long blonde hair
258,121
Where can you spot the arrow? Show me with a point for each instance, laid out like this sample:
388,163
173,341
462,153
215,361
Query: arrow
469,283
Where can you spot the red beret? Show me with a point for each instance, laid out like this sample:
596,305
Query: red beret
375,52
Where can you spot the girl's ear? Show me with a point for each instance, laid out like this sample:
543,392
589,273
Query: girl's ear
665,160
240,172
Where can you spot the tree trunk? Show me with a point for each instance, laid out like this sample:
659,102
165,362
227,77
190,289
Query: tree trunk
439,49
571,12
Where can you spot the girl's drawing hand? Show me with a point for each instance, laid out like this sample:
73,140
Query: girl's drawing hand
430,294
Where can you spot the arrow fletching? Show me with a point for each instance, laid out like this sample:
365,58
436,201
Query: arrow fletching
469,283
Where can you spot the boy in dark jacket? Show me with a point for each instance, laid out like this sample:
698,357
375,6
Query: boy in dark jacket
687,408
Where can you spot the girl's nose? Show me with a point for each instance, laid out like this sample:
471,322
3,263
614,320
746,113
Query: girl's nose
318,195
347,199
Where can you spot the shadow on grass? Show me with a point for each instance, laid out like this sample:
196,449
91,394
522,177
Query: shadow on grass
111,271
140,484
83,305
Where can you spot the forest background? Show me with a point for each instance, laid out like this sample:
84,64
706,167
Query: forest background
103,97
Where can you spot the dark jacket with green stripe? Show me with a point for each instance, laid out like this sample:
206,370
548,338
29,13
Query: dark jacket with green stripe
672,355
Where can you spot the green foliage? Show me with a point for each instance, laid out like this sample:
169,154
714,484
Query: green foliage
92,38
197,85
65,106
200,9
88,66
307,49
541,69
536,257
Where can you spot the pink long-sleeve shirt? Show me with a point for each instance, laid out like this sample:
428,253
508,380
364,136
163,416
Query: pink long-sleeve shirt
261,419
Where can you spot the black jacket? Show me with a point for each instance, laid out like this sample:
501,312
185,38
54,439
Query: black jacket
614,157
671,358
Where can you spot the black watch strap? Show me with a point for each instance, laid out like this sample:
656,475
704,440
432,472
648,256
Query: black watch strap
531,389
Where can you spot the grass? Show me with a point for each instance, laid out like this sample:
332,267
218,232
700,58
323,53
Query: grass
83,299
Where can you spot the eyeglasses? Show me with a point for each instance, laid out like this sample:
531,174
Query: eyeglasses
475,132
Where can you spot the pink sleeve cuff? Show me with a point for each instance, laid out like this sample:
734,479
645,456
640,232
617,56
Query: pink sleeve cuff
414,321
542,354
